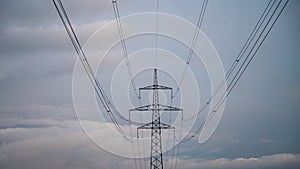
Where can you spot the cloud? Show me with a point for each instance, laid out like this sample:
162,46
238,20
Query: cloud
33,13
62,144
263,140
46,38
12,130
276,161
33,111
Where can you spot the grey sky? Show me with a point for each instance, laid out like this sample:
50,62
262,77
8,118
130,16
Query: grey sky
38,124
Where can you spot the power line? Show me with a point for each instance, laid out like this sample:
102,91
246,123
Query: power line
247,61
238,58
259,40
179,143
246,55
191,49
124,47
76,44
132,144
156,32
203,124
168,140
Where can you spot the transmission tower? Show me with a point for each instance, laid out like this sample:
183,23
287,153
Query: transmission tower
156,158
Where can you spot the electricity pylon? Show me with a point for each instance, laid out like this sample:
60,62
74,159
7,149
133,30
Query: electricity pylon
156,159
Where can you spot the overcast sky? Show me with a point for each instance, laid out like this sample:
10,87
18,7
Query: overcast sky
38,123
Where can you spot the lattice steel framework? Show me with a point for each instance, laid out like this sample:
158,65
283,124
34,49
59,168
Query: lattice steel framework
156,158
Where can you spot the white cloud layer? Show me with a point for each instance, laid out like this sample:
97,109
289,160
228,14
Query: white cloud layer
59,144
276,161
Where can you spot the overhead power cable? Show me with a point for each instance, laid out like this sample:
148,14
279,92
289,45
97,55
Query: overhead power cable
124,47
193,44
156,32
246,55
96,84
238,58
252,53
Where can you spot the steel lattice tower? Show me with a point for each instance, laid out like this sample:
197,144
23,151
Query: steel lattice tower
156,158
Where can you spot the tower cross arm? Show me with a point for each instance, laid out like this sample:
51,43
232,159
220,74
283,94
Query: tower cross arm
160,126
156,87
151,107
